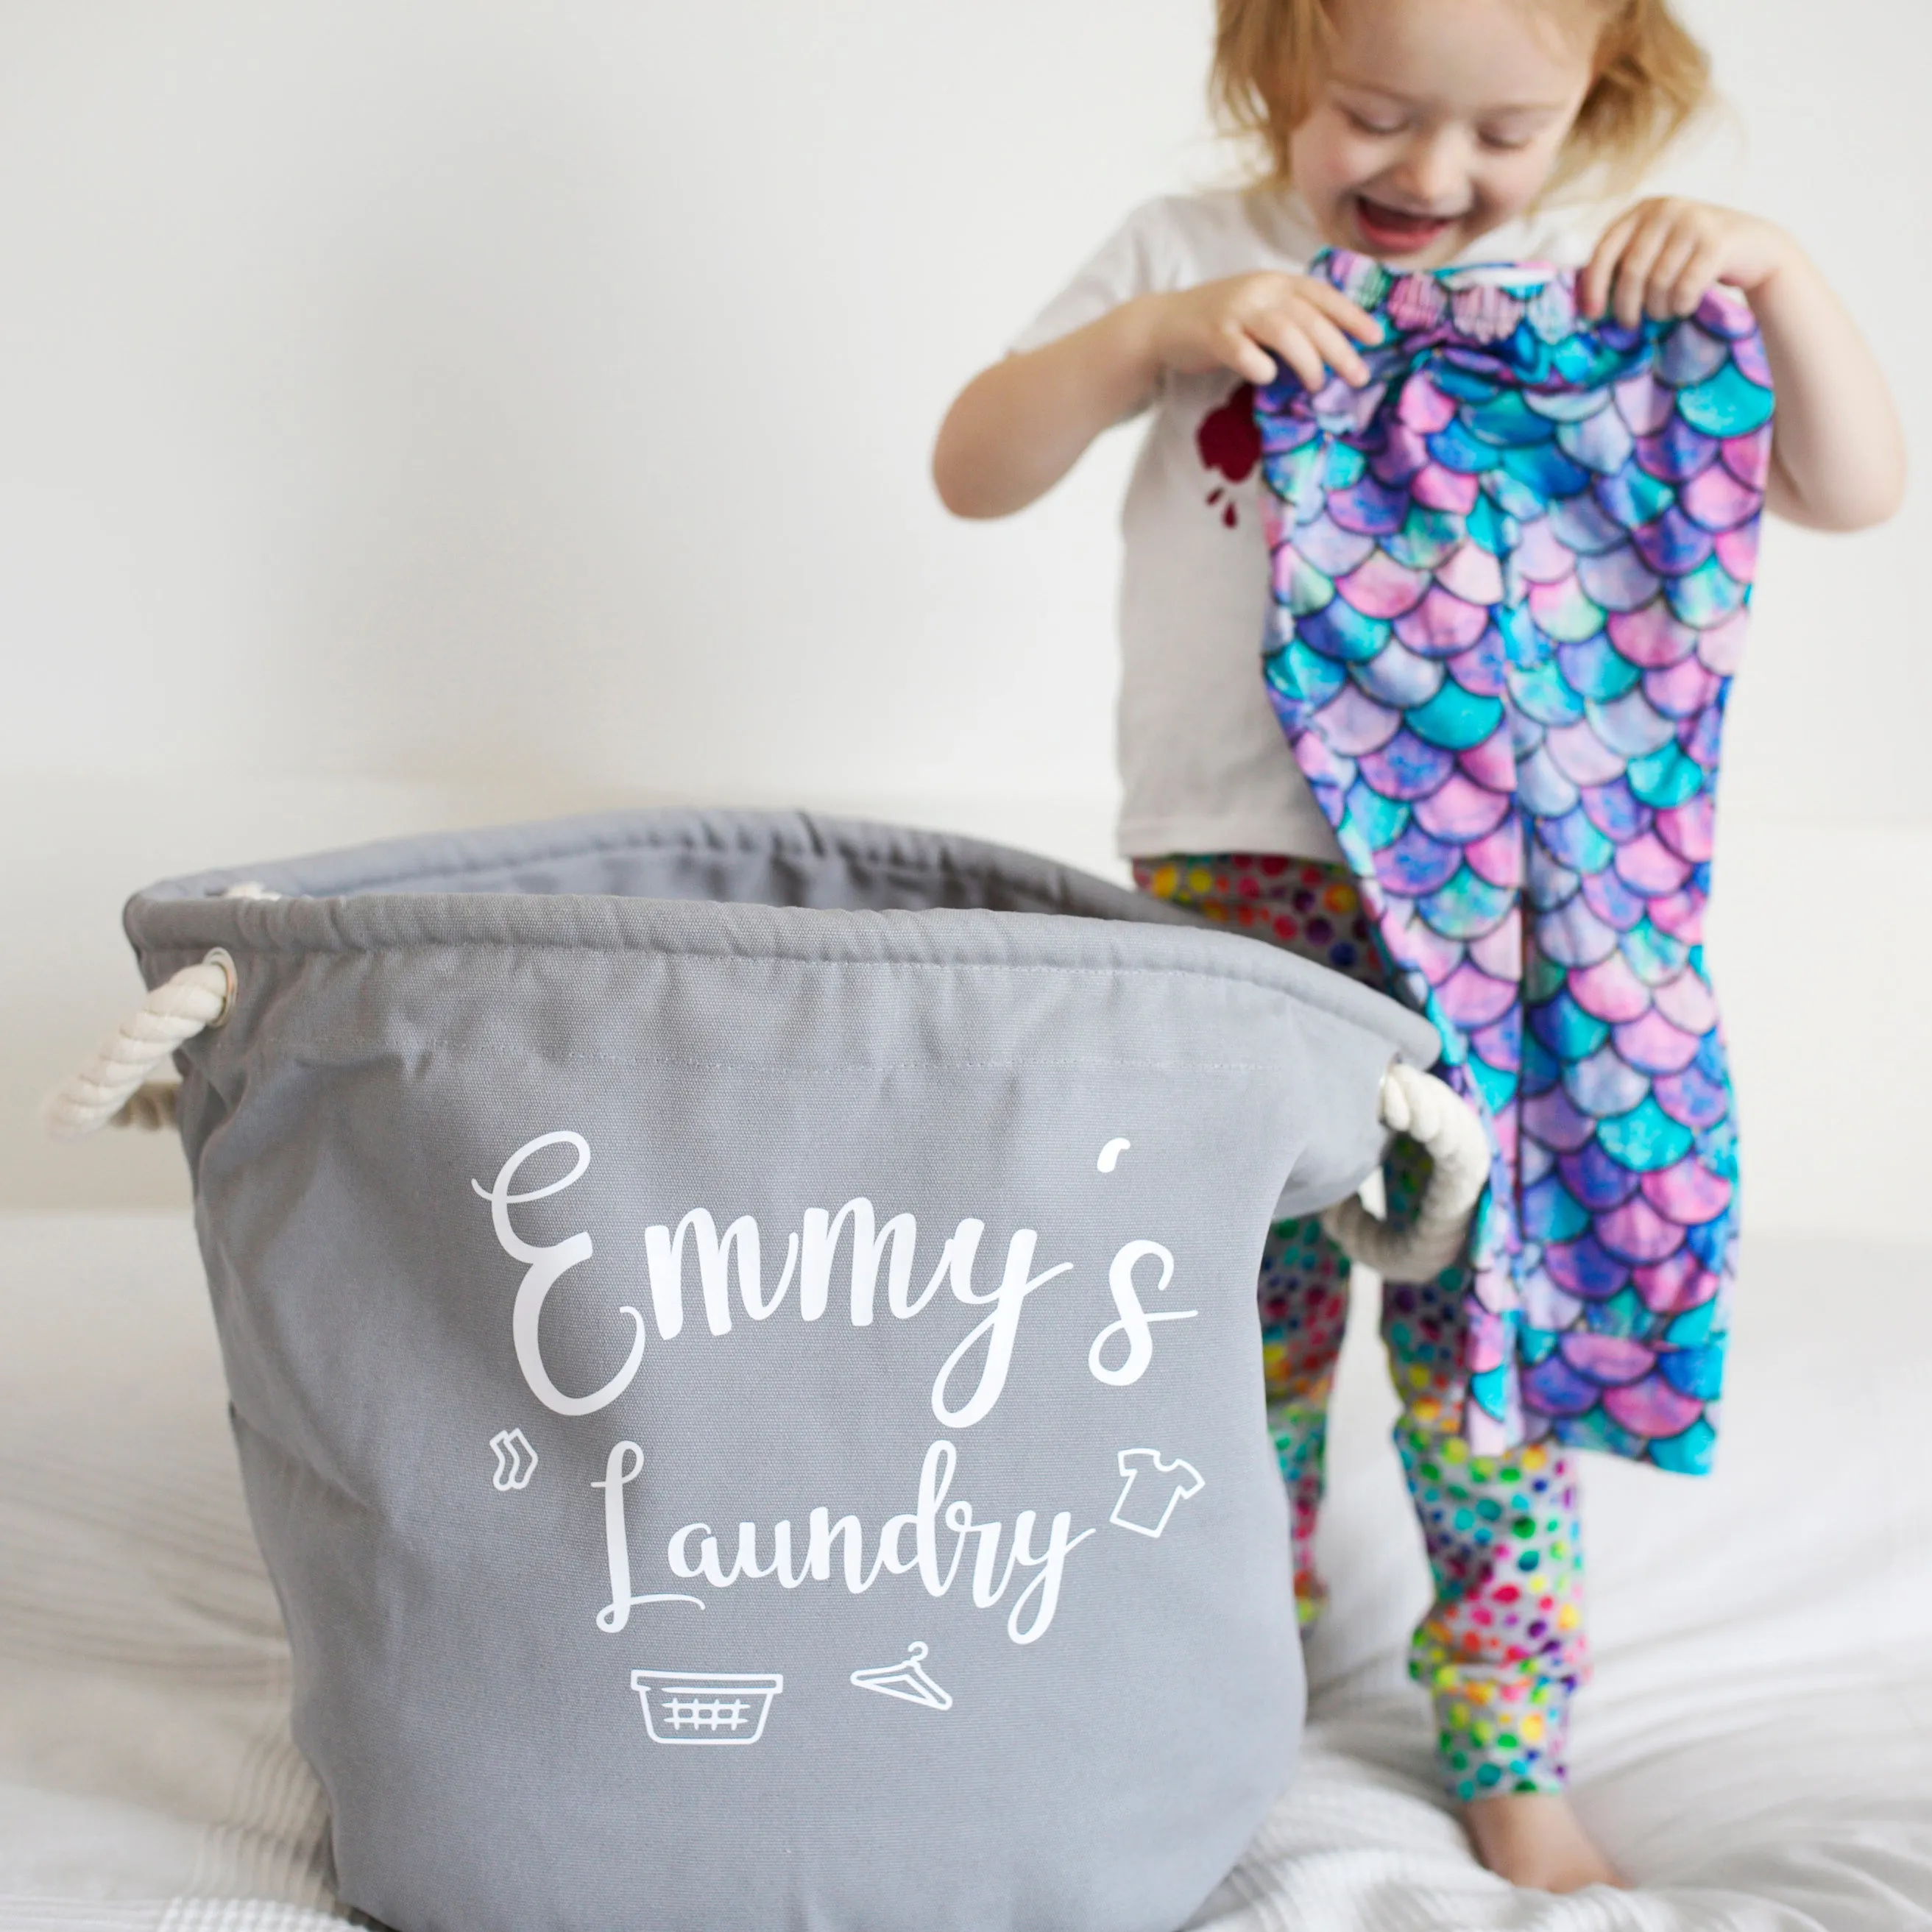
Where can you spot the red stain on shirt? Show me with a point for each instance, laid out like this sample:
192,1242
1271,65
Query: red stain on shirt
1230,442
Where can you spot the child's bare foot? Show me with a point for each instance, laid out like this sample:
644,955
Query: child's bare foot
1533,1839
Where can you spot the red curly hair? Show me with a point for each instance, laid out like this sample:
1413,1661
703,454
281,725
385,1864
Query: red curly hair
1651,79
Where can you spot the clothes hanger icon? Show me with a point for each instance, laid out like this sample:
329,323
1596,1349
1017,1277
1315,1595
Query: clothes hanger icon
907,1681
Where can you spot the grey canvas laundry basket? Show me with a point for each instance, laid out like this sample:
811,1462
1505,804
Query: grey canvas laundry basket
741,1339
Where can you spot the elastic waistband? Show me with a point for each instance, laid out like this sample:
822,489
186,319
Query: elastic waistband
1523,314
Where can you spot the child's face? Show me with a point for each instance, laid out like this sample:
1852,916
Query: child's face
1438,119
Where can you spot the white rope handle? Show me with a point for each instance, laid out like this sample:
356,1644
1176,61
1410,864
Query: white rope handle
114,1085
1417,1104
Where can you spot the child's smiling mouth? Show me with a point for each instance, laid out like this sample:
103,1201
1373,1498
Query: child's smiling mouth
1394,231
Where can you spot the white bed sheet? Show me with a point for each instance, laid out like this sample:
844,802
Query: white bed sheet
1757,1751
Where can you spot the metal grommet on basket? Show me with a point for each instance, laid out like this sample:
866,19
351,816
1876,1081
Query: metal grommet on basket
220,955
114,1085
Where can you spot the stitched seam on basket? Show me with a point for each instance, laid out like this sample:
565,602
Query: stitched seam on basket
647,947
468,1051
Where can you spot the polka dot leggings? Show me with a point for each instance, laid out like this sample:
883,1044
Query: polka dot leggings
1502,1650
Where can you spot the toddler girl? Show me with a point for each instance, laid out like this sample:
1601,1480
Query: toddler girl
1422,133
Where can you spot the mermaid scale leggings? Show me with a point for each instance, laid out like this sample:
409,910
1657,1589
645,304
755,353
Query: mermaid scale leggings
1502,1649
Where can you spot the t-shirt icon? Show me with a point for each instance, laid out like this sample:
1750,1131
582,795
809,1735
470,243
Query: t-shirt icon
1153,1486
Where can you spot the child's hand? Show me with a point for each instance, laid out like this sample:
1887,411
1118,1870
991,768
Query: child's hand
1235,324
1660,258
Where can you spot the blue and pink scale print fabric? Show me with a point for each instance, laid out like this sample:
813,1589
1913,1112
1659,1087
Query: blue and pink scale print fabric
1511,578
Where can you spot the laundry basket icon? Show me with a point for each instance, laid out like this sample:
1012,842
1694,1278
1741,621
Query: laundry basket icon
707,1707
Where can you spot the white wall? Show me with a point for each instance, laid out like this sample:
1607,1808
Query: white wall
443,410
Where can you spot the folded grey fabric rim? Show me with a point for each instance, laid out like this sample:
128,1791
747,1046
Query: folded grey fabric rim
1054,917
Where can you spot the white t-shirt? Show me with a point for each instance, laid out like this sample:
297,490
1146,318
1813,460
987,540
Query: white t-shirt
1203,765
